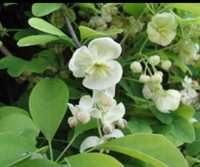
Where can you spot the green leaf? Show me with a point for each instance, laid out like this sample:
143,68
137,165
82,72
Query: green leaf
88,33
44,26
13,147
186,112
16,66
193,149
48,104
134,9
136,125
36,40
194,8
16,120
153,149
86,6
92,159
43,9
81,128
37,163
179,132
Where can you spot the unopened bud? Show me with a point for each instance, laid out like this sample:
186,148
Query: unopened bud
157,77
122,123
72,121
83,117
144,78
107,129
166,64
136,67
154,60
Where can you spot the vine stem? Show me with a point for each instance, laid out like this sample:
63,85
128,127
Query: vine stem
72,32
50,150
66,148
4,50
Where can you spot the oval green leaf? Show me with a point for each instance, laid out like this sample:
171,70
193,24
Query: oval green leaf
153,149
43,9
48,104
92,159
36,40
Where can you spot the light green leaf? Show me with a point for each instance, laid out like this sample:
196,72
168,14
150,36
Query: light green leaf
179,132
16,66
92,159
43,9
13,147
88,33
37,163
48,104
186,112
153,149
44,26
194,8
134,9
16,120
36,40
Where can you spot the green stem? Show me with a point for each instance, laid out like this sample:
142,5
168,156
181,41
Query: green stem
50,150
66,148
4,50
99,128
43,149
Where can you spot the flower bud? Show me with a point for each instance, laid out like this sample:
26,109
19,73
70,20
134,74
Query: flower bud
107,129
144,78
136,67
83,117
72,121
157,77
147,93
122,123
154,60
166,64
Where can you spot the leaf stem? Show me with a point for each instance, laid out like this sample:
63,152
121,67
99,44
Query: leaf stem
4,50
50,150
66,148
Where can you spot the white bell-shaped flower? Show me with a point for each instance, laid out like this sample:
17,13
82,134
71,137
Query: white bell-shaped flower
82,111
96,63
167,101
162,28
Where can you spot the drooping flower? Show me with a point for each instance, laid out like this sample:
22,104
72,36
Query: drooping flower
162,28
82,111
167,100
136,67
93,141
96,63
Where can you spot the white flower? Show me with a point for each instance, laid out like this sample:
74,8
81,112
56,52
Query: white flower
154,60
157,77
93,141
82,111
166,64
96,63
147,93
167,101
162,28
136,67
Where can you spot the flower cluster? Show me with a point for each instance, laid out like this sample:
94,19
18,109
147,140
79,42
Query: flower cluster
101,72
165,100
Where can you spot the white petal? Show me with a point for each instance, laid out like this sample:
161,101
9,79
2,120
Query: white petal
80,61
105,48
86,103
89,142
72,108
114,114
96,113
168,101
100,81
116,133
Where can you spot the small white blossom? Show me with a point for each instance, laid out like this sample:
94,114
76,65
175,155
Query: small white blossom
162,28
93,141
154,60
136,67
166,64
96,63
167,101
157,77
